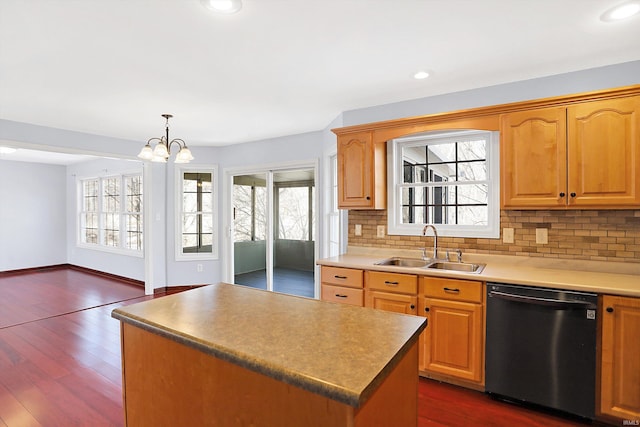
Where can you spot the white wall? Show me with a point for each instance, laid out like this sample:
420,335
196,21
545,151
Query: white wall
314,146
293,148
562,84
32,215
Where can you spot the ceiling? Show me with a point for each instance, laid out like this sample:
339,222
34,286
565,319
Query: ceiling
278,67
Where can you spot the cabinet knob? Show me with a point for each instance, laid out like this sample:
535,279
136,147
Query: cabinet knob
426,309
412,306
368,198
573,194
562,194
609,309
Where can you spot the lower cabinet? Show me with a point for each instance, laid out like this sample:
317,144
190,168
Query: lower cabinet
342,285
620,358
452,345
391,291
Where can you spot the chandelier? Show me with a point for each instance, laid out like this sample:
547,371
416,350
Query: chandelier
162,150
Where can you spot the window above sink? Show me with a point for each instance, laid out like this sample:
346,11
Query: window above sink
447,178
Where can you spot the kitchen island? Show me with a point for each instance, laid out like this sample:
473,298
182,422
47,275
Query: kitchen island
229,355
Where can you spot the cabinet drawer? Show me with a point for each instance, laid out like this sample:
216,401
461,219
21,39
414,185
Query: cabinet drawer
342,276
392,282
343,295
451,289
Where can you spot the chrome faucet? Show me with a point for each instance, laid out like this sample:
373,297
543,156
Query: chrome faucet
435,238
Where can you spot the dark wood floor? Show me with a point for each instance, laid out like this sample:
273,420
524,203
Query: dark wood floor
60,360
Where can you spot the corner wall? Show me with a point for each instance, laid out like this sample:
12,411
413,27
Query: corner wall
32,215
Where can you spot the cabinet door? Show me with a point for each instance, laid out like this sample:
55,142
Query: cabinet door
533,156
604,153
388,301
355,168
620,369
452,342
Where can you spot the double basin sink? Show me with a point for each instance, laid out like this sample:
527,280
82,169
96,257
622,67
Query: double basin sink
465,267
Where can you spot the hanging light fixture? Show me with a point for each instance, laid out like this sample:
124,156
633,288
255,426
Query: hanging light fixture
162,151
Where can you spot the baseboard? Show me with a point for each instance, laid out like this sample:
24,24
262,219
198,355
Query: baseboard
33,270
168,290
122,279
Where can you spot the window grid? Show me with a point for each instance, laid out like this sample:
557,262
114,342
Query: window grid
133,212
111,212
197,213
435,191
89,213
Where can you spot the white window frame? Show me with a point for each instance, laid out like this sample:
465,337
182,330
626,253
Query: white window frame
179,212
122,214
395,185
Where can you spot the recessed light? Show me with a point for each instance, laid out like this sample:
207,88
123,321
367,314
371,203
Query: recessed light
7,150
421,75
622,11
223,6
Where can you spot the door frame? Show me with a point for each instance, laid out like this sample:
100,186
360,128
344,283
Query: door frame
227,215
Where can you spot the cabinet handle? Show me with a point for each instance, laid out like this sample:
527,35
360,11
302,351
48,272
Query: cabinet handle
340,277
426,309
454,290
368,198
609,309
412,306
388,283
341,296
573,194
562,194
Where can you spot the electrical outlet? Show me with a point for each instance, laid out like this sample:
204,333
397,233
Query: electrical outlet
380,232
358,230
507,235
542,236
199,268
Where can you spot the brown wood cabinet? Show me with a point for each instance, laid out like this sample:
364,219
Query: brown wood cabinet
585,155
361,172
391,292
620,359
342,285
452,345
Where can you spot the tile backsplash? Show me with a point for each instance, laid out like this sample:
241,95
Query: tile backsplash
605,235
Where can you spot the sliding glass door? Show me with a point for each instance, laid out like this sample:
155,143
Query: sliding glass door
274,230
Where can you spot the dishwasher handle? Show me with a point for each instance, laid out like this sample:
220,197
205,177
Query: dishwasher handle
550,302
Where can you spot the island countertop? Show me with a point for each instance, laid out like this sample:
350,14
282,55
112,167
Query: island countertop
337,351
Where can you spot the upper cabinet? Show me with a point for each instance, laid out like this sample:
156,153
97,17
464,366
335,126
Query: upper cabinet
533,157
579,151
361,172
583,156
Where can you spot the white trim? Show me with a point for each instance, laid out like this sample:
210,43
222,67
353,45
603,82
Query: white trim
227,226
147,236
394,188
178,176
100,246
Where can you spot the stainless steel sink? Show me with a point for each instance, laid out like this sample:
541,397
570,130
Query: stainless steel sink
457,266
404,262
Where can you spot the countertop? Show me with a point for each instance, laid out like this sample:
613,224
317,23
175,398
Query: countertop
338,351
598,277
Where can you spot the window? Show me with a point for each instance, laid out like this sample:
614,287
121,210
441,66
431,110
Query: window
295,207
334,214
111,212
196,214
449,179
249,209
89,212
133,212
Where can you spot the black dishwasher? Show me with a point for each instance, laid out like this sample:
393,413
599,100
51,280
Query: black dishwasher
541,347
